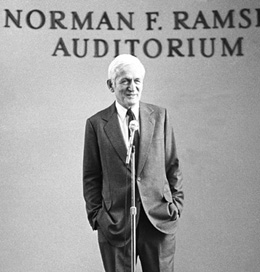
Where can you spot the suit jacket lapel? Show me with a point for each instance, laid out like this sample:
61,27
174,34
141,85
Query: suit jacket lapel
146,133
114,134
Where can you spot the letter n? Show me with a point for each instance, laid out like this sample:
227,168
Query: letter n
16,21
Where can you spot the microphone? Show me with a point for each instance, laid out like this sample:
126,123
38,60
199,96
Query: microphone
133,126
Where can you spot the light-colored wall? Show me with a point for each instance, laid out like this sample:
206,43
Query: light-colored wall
45,101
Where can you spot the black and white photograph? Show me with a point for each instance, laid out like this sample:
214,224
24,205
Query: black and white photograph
130,136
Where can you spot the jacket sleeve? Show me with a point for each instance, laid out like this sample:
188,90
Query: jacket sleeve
173,171
92,175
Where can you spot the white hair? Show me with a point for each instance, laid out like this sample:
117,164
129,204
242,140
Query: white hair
121,61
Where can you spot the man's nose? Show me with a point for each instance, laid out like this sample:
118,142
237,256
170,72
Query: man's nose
132,86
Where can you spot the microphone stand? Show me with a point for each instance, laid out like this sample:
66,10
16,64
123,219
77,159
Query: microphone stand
133,214
133,210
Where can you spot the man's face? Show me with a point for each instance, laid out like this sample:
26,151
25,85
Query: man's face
128,85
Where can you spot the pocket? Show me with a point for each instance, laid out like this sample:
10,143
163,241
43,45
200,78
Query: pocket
172,212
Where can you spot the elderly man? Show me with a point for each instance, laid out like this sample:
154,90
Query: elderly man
106,177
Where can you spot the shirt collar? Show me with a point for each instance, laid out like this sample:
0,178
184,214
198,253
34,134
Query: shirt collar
122,111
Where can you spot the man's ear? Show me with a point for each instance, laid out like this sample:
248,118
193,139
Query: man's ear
110,85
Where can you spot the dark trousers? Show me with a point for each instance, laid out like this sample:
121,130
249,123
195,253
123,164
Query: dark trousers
154,249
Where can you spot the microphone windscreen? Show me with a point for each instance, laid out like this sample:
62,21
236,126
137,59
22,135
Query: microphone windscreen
133,125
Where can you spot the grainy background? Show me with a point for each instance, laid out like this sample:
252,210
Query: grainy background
45,100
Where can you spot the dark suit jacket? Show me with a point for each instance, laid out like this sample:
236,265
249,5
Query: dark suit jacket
106,178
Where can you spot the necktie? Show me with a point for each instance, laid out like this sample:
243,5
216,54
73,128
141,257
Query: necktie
131,116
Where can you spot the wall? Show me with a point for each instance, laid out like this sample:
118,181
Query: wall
47,92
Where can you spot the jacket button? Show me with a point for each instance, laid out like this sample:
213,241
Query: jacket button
138,179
